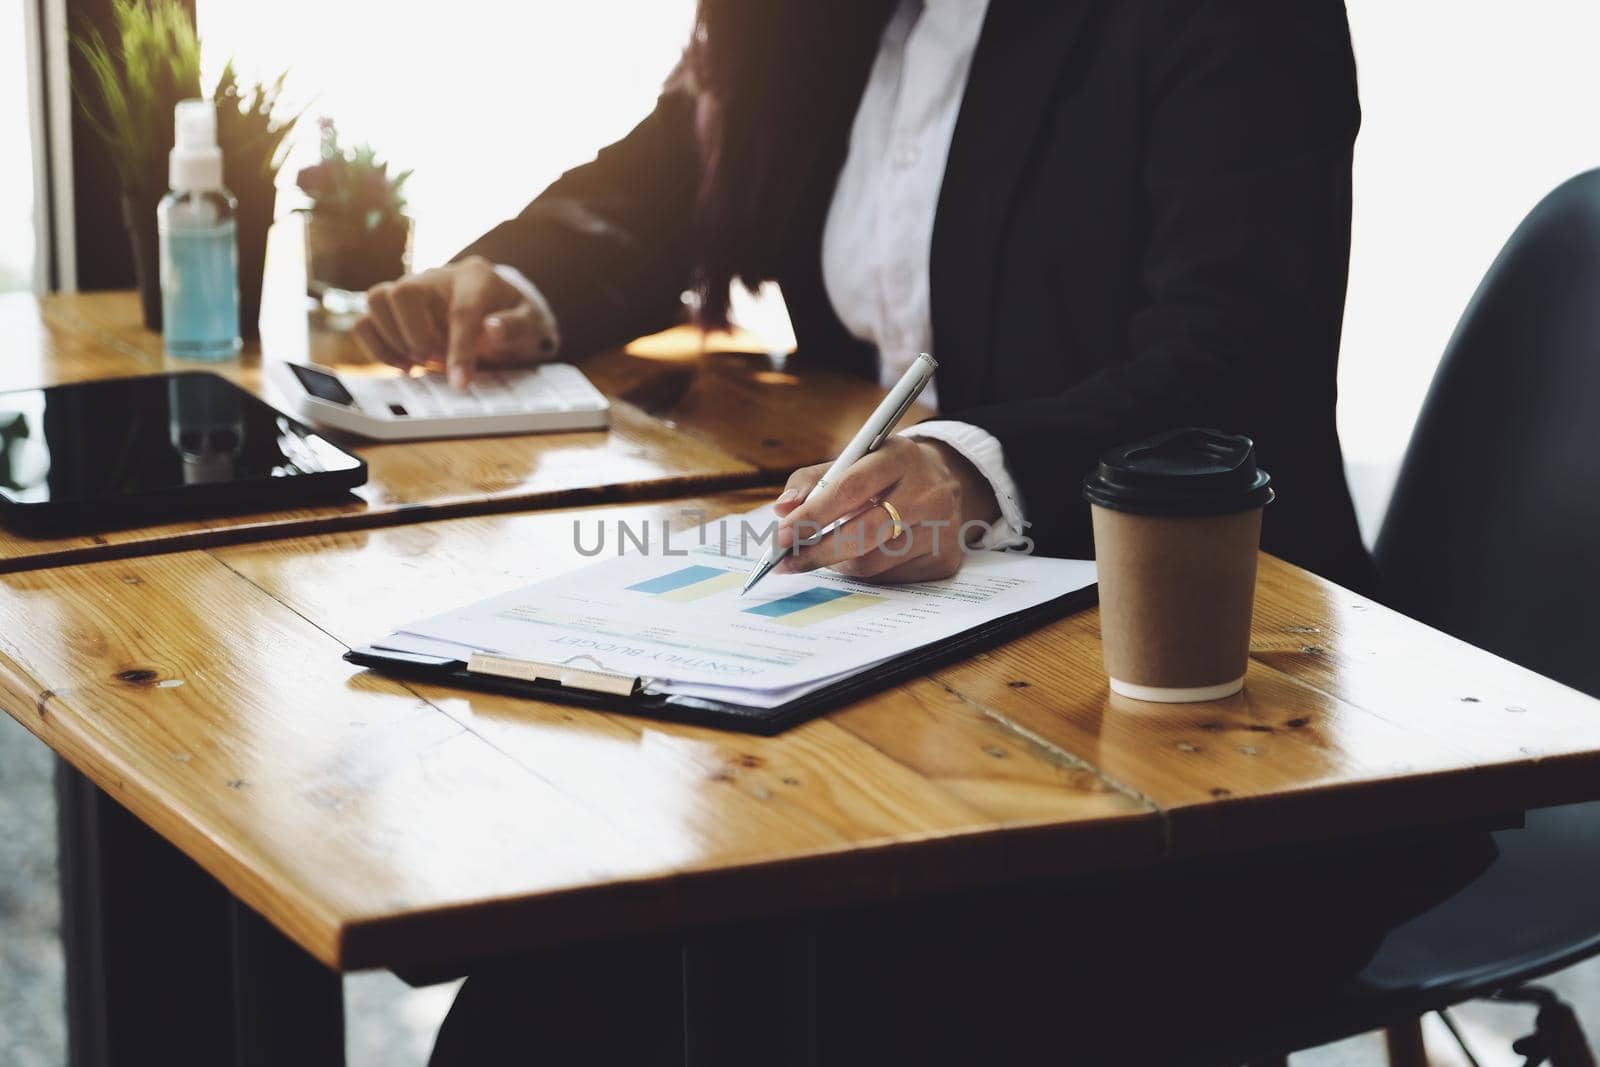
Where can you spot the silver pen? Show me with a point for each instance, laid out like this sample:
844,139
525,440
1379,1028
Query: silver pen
876,430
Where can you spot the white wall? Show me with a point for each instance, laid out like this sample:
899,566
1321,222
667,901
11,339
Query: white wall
1474,109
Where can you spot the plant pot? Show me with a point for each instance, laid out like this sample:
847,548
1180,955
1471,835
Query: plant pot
143,235
254,221
345,258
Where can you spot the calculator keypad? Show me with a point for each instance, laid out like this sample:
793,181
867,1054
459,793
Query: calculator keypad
555,387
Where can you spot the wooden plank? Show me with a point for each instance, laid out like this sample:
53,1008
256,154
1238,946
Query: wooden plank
377,824
232,727
1298,756
775,414
357,586
779,415
346,584
1366,654
691,414
1354,719
43,350
73,337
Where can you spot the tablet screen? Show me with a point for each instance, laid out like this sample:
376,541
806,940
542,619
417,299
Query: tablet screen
130,437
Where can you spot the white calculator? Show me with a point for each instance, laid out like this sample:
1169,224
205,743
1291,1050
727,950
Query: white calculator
549,397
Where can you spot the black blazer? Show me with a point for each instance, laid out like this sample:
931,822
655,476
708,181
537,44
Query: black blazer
1144,223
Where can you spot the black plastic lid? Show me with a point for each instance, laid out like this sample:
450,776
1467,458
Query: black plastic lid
1181,472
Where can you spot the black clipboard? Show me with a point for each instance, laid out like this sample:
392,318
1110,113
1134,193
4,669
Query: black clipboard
613,693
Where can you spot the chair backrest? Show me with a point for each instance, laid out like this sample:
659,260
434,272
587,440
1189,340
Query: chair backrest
1493,534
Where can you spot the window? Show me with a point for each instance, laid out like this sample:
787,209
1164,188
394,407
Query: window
1474,110
487,101
17,129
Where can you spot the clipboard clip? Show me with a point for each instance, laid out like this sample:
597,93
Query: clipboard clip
596,680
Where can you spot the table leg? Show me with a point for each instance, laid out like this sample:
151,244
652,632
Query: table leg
1405,1045
288,1008
163,966
750,995
143,931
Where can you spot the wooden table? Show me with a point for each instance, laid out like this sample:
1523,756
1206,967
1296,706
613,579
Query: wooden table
384,824
380,824
678,427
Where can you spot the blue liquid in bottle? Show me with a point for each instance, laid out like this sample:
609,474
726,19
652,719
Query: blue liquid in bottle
199,274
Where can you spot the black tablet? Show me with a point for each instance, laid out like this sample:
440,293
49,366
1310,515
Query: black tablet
125,451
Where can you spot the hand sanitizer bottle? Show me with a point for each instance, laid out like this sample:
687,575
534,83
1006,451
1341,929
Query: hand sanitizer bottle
199,254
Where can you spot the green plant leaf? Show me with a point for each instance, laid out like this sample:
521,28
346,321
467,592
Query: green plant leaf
137,77
250,130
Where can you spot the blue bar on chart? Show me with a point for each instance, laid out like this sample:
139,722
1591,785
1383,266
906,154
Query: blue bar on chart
813,606
690,583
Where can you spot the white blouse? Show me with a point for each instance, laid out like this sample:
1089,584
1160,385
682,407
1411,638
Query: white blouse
876,245
879,233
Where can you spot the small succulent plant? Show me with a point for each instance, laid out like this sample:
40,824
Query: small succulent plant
352,184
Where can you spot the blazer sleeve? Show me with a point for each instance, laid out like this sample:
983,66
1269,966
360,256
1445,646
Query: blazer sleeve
608,243
1250,116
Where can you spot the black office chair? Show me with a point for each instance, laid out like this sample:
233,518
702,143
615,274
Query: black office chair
1493,535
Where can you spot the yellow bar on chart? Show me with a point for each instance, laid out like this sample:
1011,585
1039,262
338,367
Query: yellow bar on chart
725,582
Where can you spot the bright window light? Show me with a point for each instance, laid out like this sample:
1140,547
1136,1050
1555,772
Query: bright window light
16,159
488,101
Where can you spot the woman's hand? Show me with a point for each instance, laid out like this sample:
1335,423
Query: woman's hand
944,504
455,317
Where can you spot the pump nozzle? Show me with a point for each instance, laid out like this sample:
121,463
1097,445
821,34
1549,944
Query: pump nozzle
196,161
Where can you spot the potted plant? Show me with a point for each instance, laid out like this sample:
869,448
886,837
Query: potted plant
252,135
137,79
357,233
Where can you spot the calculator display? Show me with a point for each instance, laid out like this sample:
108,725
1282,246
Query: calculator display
323,386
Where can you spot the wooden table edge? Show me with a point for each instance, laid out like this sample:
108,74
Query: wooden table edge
409,514
1437,800
856,874
67,739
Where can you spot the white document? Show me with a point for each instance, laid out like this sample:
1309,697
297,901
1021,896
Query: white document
673,617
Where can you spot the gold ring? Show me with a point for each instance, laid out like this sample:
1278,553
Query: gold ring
894,515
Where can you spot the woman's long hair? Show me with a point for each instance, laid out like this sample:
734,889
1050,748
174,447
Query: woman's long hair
776,83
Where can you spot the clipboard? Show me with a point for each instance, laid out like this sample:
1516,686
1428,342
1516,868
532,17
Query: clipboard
590,685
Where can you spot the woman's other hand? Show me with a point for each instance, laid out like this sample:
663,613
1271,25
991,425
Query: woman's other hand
456,317
945,505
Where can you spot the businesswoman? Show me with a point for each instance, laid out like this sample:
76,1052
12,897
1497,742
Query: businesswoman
1105,218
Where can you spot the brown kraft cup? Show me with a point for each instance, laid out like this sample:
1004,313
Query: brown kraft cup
1177,526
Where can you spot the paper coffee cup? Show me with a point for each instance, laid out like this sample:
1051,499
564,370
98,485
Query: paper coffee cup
1177,526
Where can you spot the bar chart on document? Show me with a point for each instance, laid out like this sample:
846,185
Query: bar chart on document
686,617
802,609
677,616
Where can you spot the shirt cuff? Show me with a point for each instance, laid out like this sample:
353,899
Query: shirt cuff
980,448
549,341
